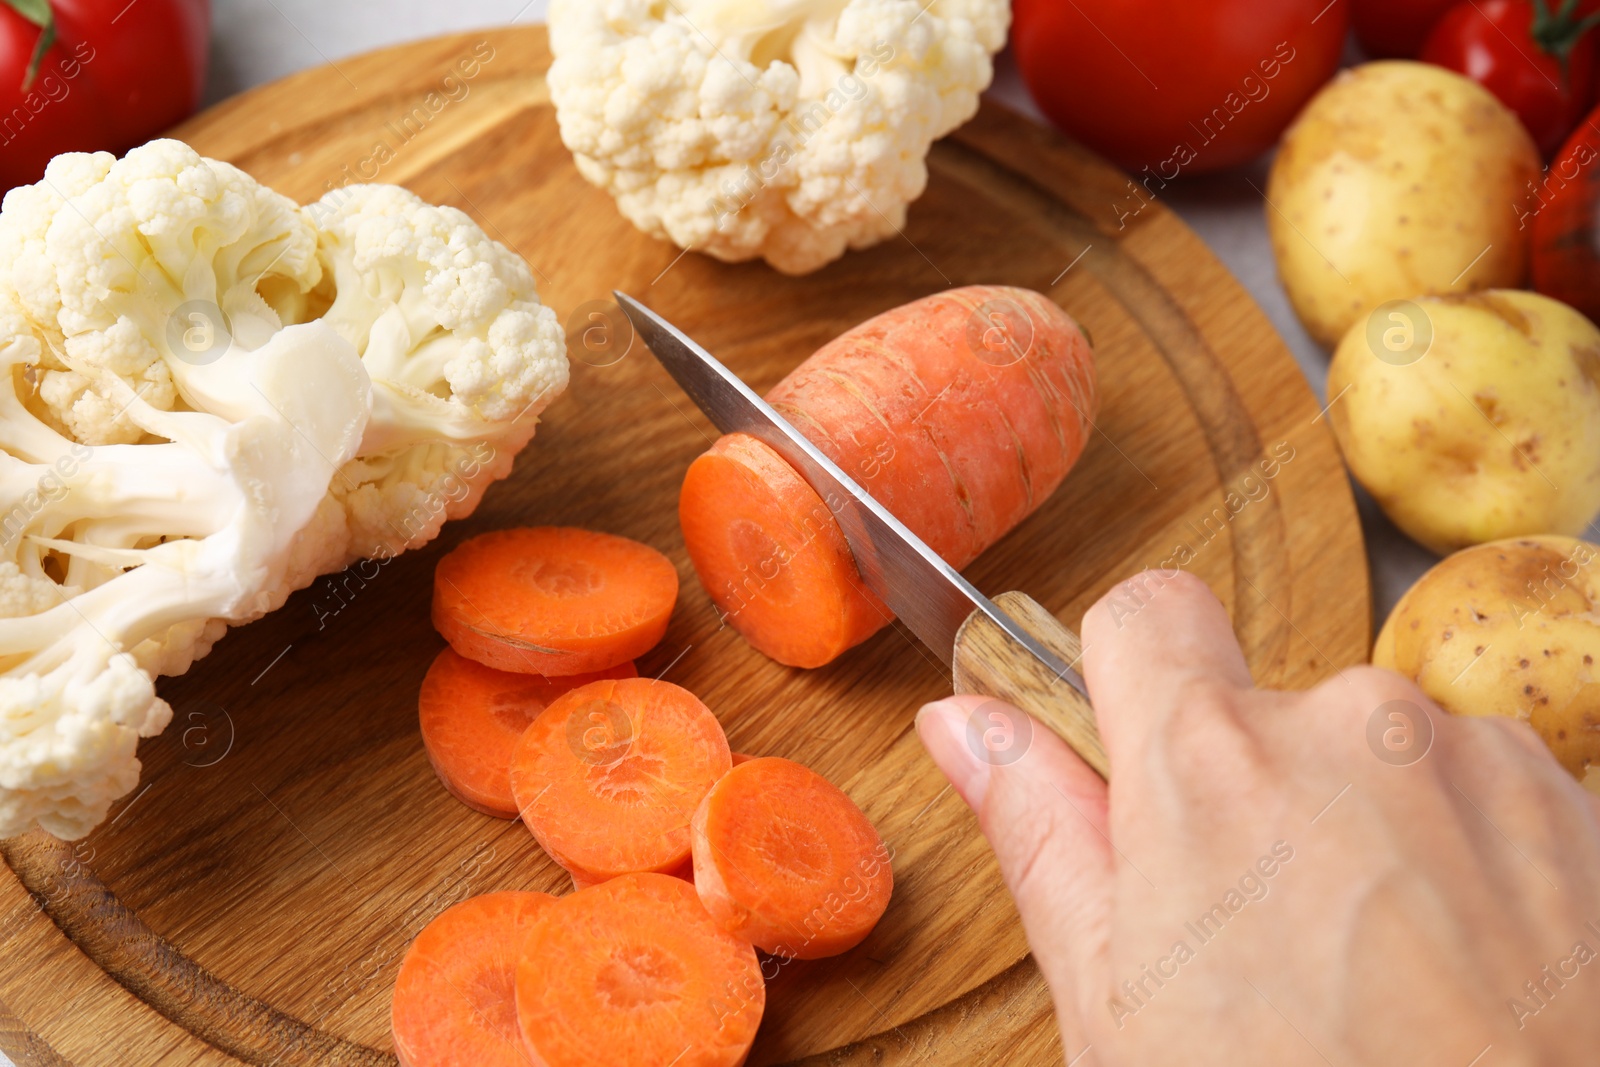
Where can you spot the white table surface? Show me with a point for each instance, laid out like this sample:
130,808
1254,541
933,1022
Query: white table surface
255,41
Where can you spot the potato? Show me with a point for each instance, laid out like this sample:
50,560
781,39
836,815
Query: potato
1398,180
1510,628
1473,418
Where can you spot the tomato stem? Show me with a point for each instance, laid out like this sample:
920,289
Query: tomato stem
42,15
1558,32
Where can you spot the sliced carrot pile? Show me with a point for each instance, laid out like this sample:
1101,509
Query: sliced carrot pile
784,859
686,857
610,774
472,717
553,600
960,413
455,997
634,972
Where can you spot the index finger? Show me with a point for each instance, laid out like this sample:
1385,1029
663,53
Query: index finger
1145,645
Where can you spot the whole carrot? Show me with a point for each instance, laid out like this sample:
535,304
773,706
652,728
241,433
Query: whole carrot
961,413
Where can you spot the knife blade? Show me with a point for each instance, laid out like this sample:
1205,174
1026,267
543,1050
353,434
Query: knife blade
925,592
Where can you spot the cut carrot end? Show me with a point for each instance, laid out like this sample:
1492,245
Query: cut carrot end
472,717
784,859
455,996
634,973
553,600
772,557
609,776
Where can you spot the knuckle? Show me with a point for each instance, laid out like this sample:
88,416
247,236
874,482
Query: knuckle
1368,713
1124,602
1205,707
1505,743
1525,796
1205,741
1347,702
1370,686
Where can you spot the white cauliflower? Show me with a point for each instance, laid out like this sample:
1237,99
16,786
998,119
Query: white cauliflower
462,355
210,396
786,129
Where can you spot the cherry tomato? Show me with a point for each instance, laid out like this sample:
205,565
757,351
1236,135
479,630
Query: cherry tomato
1395,29
1177,87
116,75
1540,62
1564,211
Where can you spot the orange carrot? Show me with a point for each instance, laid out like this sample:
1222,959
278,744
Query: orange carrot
960,413
586,879
784,859
472,717
609,775
553,600
455,997
634,973
772,557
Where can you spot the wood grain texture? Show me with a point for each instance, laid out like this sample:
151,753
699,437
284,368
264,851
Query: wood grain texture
288,838
989,662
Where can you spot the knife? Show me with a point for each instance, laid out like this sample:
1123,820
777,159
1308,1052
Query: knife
1010,648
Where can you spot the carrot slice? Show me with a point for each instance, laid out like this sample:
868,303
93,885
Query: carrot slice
472,717
455,997
634,973
609,775
961,413
582,879
553,600
784,859
772,557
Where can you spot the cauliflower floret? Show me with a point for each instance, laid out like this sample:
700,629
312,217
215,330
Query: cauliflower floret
163,241
209,396
785,129
64,775
463,359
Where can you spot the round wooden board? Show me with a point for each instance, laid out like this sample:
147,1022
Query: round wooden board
250,902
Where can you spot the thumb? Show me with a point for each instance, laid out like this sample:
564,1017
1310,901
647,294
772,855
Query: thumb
1043,811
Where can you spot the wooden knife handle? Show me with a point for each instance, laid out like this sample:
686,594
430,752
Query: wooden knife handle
989,662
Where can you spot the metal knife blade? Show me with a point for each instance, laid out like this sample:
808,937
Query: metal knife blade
929,596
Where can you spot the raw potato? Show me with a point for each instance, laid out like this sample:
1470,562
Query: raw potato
1510,628
1492,432
1398,180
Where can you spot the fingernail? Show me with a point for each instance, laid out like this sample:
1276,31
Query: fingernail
942,726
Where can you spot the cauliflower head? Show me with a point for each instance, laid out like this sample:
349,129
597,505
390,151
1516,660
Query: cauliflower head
786,129
208,396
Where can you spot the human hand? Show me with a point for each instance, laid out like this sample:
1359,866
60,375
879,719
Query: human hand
1261,884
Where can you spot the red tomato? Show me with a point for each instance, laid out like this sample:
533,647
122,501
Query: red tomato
1565,214
1177,87
117,74
1541,64
1395,29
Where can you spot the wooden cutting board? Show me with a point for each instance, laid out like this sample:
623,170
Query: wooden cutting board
251,900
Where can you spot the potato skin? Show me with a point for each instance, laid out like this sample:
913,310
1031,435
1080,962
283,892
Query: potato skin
1390,185
1493,433
1510,628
